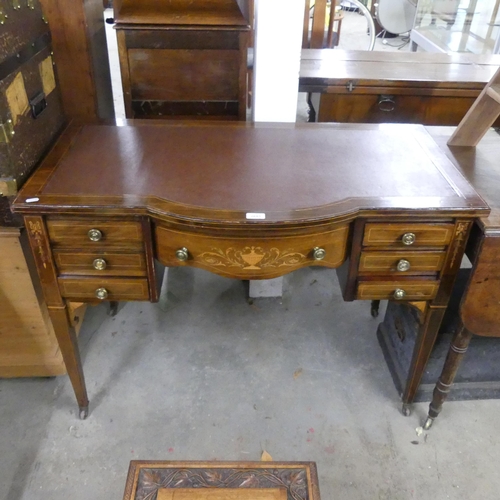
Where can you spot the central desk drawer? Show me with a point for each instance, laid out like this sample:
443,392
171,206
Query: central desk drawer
252,257
400,262
89,289
405,235
95,233
399,290
100,263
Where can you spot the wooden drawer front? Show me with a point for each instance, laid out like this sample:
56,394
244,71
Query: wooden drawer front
387,262
387,235
116,264
251,257
386,106
84,289
74,233
384,290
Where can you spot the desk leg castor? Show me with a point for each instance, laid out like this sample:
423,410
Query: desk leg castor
406,410
374,308
84,412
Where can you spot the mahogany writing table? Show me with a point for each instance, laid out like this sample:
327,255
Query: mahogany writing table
381,204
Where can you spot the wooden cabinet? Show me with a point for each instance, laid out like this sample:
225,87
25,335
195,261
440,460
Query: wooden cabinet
183,59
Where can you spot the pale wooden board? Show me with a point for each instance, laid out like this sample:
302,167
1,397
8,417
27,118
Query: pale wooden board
222,494
28,346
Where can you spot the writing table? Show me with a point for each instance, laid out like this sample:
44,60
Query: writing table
355,86
381,204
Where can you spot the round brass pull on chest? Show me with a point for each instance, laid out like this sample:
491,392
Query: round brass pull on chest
408,238
101,293
94,235
182,254
319,253
399,294
99,264
403,265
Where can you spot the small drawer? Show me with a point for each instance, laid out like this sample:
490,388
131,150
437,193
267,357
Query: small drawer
251,258
398,290
88,289
407,235
400,262
95,233
100,263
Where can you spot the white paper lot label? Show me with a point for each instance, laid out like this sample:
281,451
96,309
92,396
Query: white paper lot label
255,216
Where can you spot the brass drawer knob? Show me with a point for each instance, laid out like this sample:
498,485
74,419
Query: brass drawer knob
319,253
182,254
101,293
94,235
99,264
408,238
399,294
403,265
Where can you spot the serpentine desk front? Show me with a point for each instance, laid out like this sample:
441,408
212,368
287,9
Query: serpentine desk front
380,203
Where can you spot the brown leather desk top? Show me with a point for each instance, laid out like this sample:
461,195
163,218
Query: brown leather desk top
222,172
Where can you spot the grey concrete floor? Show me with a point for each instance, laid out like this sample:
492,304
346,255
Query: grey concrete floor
204,375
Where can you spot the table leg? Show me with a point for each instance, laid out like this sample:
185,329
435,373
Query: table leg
66,337
457,350
423,347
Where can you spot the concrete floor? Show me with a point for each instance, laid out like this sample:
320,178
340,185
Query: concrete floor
204,375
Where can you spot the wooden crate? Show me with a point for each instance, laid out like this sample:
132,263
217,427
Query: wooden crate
28,346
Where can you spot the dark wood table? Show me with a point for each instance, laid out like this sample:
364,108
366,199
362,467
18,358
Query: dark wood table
479,311
381,204
378,87
170,480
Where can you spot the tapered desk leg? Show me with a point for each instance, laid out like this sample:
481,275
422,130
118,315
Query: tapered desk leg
57,307
68,344
457,350
421,352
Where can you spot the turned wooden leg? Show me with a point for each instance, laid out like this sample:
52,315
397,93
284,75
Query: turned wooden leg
457,350
66,337
423,347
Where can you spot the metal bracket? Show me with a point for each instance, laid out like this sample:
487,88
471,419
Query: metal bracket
16,4
350,86
3,16
6,131
38,104
31,4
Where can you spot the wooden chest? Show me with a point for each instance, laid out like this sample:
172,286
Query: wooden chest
31,114
394,87
183,59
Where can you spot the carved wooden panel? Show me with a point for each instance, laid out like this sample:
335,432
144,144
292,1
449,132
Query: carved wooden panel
145,482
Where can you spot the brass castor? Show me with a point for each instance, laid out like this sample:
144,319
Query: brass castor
406,410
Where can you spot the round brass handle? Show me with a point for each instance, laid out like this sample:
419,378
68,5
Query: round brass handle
94,235
399,294
182,254
408,238
403,265
99,264
319,253
386,103
101,293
